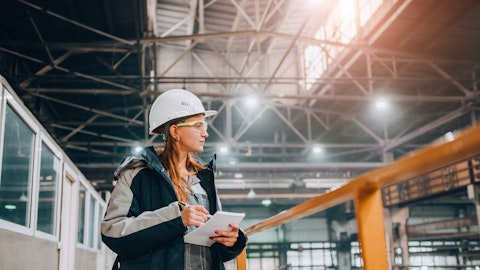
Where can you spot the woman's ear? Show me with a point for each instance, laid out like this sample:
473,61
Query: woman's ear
173,131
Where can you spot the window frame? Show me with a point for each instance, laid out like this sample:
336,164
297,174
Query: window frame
9,100
89,240
59,187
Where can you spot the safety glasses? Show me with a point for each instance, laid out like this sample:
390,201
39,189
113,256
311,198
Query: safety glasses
200,125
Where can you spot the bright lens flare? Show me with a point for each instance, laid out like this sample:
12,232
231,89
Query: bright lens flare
382,104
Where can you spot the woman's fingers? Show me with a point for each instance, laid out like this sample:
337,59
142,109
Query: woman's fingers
194,215
227,238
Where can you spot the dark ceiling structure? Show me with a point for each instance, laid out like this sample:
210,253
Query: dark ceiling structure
90,69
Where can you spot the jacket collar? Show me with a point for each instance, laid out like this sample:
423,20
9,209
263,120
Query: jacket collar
149,156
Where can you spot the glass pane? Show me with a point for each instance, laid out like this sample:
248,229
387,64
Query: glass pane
81,215
91,227
15,179
100,217
49,166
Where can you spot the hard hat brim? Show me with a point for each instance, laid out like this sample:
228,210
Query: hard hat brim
206,114
210,113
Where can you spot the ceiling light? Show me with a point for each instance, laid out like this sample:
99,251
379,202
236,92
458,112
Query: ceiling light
223,149
251,194
10,206
317,149
382,104
136,148
266,202
23,198
251,101
449,136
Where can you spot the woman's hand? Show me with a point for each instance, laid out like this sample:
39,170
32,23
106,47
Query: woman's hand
194,215
227,238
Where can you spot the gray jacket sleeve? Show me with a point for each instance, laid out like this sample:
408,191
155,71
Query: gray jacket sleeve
128,232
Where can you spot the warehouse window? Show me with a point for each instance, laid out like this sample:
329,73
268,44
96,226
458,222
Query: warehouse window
81,214
91,223
16,176
90,214
315,255
47,198
100,217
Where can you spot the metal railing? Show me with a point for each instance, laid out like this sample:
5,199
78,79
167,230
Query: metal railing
366,192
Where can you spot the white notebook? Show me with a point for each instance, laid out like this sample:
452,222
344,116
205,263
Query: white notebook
219,221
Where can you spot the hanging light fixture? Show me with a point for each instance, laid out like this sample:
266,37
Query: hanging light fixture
251,194
23,197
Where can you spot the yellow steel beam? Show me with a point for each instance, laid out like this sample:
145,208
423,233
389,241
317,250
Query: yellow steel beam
430,158
365,190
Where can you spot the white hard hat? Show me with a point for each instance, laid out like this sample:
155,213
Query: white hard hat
174,104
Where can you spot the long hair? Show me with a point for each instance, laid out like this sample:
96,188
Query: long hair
170,160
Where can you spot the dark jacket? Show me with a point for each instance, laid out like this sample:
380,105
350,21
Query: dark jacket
143,224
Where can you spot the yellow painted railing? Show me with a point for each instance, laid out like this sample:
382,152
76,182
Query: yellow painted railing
365,191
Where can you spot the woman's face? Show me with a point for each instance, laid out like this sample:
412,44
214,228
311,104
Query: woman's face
191,134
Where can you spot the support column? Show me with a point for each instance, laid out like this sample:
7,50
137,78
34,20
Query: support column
344,252
282,246
242,260
371,229
399,217
474,196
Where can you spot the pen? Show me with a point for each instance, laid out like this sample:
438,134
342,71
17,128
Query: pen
184,204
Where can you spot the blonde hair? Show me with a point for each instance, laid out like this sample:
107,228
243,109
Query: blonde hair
170,160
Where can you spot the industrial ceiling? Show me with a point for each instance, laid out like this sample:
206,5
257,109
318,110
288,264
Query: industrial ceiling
89,71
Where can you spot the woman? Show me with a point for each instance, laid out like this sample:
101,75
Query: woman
161,194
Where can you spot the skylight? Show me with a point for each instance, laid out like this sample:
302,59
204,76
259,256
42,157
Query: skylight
341,26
